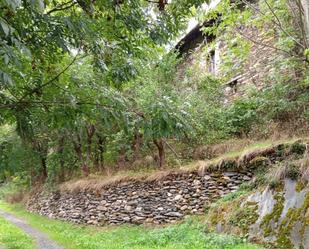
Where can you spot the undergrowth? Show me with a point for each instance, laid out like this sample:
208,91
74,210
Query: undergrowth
13,192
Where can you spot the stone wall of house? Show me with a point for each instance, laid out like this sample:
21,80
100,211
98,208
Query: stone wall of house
158,201
257,67
241,75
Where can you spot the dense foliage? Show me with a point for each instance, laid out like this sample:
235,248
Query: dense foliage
63,68
88,85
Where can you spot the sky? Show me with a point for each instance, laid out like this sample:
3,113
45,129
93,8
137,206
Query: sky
193,21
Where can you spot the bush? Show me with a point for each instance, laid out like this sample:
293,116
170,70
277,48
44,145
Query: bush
241,115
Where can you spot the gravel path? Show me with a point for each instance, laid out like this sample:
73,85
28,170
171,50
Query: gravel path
43,242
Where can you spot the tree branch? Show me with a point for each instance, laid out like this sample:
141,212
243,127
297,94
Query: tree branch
260,43
50,81
64,103
281,26
62,7
171,148
301,22
277,23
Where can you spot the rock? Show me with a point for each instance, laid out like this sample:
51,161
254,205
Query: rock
149,220
230,174
138,209
246,178
185,191
92,222
196,182
177,197
174,214
137,218
102,208
185,207
126,219
207,177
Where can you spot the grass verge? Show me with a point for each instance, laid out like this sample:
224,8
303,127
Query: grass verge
229,160
11,237
188,235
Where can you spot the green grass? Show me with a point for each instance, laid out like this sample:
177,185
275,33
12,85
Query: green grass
219,241
188,235
244,190
254,146
11,237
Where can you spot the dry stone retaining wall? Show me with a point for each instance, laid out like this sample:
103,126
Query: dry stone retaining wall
166,200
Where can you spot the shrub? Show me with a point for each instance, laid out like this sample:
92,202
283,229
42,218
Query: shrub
241,115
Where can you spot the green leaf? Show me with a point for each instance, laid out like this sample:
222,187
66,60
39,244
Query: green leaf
6,59
5,78
5,27
13,4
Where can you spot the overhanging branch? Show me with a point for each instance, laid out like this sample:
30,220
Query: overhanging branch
63,6
50,81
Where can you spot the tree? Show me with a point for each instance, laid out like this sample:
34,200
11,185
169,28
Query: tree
57,55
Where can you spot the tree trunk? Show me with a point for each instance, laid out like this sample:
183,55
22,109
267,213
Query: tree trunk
85,169
99,156
136,145
79,153
122,159
160,145
90,132
44,167
41,148
62,162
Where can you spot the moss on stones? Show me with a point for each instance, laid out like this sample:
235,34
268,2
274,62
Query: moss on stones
244,216
274,215
293,215
231,215
280,150
300,185
259,162
228,164
298,148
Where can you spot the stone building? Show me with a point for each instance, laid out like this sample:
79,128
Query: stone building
208,52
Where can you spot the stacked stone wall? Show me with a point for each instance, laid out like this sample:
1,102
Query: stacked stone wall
160,201
167,198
